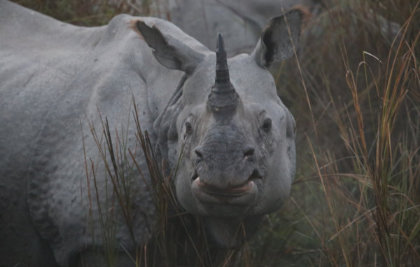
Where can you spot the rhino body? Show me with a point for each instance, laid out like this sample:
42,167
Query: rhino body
58,80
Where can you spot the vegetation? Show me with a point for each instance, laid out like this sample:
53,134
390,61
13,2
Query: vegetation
354,89
355,201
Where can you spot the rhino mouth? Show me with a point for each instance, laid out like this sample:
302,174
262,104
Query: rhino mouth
241,194
233,191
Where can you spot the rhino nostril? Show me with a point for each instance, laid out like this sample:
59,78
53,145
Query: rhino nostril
249,152
195,176
255,175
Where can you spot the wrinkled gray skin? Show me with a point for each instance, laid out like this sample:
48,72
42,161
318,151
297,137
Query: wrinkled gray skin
55,77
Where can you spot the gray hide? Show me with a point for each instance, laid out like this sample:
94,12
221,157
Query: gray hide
55,78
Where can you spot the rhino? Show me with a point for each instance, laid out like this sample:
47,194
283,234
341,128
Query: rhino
217,120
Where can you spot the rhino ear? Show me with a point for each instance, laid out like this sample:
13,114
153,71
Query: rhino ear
278,38
172,47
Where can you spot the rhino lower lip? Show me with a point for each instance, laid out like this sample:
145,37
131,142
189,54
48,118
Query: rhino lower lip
229,192
242,195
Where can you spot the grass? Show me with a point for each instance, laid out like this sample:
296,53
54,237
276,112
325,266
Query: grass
355,201
354,89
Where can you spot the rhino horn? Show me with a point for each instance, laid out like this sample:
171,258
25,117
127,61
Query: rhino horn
223,96
222,70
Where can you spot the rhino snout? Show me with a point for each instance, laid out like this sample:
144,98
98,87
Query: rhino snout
227,180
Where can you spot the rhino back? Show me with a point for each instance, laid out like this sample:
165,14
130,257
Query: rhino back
55,79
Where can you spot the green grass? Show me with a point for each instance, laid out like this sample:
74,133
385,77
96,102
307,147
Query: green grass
354,89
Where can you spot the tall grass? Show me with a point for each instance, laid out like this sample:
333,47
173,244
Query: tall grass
356,197
355,201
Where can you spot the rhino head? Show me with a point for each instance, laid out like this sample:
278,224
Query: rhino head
225,129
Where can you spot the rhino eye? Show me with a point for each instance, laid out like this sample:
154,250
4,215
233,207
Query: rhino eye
266,126
188,128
